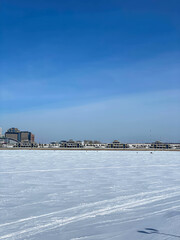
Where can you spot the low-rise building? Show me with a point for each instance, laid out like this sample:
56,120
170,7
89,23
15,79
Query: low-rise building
175,145
117,144
160,145
71,144
139,145
25,144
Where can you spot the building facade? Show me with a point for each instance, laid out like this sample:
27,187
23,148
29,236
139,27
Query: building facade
117,144
13,133
71,144
160,145
26,136
19,136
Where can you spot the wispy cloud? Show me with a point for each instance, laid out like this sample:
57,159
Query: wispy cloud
93,82
137,117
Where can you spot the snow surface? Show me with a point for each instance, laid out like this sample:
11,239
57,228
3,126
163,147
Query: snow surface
85,195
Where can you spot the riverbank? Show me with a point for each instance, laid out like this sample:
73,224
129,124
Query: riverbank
93,149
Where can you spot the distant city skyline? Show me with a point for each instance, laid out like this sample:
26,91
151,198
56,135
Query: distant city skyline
91,69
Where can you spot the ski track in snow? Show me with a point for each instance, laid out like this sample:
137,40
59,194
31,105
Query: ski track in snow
129,208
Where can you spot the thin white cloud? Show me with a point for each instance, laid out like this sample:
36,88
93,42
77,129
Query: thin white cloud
127,118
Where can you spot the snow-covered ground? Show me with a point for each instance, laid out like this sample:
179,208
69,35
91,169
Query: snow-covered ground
93,195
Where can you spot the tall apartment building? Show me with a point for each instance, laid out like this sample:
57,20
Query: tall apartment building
13,133
26,136
19,136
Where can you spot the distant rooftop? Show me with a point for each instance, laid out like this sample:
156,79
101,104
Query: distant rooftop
13,130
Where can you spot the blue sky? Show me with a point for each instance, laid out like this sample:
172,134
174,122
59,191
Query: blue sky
93,69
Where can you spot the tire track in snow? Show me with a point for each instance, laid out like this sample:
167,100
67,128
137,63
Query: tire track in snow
106,210
122,198
18,235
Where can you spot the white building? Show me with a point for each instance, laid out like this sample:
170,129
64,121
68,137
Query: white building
139,145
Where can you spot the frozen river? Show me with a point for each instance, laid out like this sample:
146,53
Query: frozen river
93,195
